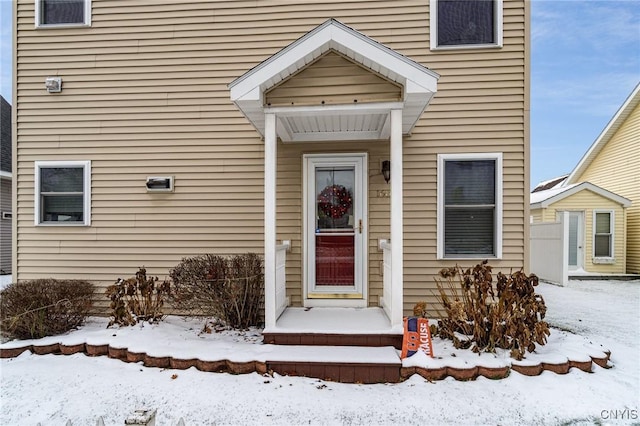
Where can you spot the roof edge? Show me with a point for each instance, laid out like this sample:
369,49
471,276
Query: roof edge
335,23
612,126
575,188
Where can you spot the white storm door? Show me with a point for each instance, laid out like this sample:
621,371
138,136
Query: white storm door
576,240
335,226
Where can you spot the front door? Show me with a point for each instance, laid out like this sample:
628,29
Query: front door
576,238
335,227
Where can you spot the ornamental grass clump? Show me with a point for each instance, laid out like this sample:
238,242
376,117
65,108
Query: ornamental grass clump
44,307
477,317
228,288
138,298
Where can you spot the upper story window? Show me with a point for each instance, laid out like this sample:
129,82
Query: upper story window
63,13
63,193
465,23
603,225
469,216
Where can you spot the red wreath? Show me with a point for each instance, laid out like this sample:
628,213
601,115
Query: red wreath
335,201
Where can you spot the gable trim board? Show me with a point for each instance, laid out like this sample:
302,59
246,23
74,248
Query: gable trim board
419,83
544,199
611,128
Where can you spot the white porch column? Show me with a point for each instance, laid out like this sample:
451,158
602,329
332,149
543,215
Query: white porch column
397,244
270,165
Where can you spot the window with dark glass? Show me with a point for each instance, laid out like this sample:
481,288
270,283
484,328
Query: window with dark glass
469,207
62,194
466,22
62,12
603,235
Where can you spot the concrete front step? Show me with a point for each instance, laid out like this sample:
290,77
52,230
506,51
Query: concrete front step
339,372
334,327
345,364
333,339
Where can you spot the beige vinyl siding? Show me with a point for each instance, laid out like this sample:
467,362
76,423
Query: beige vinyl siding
145,94
333,79
586,202
616,169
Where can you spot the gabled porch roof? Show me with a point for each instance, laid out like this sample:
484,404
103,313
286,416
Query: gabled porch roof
335,122
544,199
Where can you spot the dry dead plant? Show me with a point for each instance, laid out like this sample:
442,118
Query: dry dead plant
229,288
476,317
138,298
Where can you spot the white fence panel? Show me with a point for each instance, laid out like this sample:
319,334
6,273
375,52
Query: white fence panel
548,249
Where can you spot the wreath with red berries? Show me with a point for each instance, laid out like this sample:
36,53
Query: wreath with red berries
335,201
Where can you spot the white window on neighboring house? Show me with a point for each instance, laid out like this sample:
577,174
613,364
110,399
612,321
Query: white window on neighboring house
63,13
465,23
469,221
63,193
603,226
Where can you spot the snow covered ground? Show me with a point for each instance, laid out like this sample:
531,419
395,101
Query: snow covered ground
52,389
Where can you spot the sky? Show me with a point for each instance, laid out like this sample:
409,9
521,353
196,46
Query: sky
585,61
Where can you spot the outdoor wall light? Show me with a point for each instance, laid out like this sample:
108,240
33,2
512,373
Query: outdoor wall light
386,170
159,184
53,84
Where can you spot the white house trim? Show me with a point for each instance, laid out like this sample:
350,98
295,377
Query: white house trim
543,199
86,18
86,167
397,200
612,231
312,297
497,31
270,165
498,219
418,82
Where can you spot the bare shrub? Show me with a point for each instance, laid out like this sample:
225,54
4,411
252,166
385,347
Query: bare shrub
229,288
138,298
44,307
476,318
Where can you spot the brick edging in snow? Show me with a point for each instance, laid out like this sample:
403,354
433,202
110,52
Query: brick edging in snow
340,372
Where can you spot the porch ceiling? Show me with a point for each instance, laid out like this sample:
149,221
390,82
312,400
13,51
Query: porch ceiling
335,122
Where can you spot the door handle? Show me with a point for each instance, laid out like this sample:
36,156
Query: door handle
360,226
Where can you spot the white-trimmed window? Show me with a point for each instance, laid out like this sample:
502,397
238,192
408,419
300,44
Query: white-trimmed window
465,23
63,13
469,221
63,193
603,231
